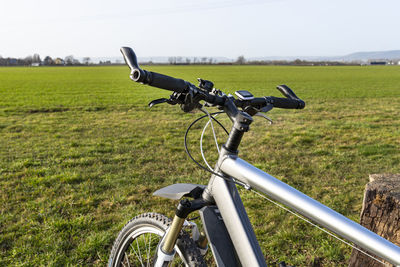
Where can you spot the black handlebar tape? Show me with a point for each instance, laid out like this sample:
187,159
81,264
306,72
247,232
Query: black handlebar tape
287,103
166,82
287,92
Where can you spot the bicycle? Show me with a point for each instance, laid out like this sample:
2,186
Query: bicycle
152,239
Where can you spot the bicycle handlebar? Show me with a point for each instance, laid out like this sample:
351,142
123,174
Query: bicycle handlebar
181,86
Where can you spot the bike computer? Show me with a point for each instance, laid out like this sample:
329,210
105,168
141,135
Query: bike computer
244,95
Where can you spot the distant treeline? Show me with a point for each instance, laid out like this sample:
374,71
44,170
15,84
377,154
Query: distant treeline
241,60
299,62
35,60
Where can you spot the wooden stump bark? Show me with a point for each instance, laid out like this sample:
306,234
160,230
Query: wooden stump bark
380,213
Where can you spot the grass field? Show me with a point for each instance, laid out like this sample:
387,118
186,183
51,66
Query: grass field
80,154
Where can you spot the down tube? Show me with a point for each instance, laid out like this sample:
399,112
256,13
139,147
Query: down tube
310,208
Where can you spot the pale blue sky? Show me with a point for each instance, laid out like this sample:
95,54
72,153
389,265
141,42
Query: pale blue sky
227,28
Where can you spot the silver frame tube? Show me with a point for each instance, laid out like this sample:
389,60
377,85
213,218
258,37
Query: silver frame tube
308,207
237,223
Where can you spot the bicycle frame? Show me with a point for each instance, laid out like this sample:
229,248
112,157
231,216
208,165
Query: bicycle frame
240,230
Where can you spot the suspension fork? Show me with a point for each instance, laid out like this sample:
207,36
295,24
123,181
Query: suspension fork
165,251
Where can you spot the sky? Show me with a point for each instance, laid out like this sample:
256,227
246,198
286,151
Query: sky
226,28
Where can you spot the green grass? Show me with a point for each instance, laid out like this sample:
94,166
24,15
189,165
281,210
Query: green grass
80,154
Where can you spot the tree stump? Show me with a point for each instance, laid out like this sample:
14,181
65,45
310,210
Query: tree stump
380,213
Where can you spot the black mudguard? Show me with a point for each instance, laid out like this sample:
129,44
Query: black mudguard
177,191
218,237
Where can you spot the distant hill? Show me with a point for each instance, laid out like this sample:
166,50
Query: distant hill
365,56
358,56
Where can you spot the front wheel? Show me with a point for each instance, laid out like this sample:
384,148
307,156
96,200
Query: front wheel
136,244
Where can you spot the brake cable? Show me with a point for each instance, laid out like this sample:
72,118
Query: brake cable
202,135
229,179
210,115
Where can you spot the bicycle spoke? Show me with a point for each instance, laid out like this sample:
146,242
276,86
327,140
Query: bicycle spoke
145,248
134,251
148,253
127,259
139,251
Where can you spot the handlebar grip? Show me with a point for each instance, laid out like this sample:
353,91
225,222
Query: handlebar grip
287,103
151,78
167,82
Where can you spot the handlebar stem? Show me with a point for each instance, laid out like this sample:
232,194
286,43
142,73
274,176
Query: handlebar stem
234,139
241,124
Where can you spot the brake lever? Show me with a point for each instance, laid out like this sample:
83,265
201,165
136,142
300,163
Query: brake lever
259,114
157,101
175,98
266,108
